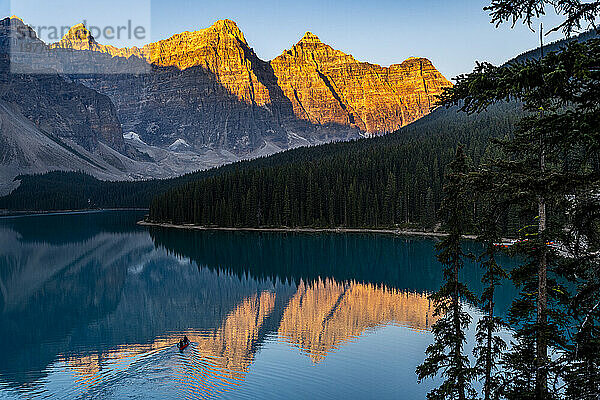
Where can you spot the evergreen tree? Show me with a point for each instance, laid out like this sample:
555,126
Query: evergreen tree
446,355
576,14
490,346
582,370
547,161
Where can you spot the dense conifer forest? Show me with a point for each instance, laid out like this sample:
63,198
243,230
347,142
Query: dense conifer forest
391,181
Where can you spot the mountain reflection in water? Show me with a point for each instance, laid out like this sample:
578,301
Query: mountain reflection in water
92,305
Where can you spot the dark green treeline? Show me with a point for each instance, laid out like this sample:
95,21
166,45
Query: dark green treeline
383,182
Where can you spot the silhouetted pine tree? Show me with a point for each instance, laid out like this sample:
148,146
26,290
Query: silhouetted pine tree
582,361
446,355
490,345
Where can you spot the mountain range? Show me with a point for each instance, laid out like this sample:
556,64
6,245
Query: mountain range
193,101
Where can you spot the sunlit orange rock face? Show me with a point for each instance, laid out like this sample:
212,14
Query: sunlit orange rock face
324,85
79,38
311,93
328,86
220,49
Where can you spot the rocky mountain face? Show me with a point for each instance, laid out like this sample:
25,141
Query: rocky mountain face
210,89
79,38
49,121
59,107
63,109
325,86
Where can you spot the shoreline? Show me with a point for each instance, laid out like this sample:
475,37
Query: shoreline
398,232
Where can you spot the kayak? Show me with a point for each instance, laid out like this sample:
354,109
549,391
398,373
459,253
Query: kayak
183,346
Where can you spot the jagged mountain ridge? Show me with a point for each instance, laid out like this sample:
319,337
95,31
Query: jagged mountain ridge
311,93
327,85
50,123
62,108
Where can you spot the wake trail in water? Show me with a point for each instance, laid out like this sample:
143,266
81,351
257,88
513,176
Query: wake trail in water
203,377
124,371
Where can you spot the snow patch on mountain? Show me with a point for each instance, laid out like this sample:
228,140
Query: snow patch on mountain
296,140
179,145
132,136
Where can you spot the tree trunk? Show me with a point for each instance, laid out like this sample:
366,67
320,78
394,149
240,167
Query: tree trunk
542,304
488,362
457,332
541,382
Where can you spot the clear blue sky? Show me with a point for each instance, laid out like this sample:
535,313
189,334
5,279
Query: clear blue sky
453,34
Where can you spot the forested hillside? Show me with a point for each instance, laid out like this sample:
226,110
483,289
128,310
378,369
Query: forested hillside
383,182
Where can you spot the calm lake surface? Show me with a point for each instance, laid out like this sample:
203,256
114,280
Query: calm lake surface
91,306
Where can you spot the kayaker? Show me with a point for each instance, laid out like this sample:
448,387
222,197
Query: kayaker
185,339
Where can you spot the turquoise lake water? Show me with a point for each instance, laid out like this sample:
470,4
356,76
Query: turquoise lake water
92,305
